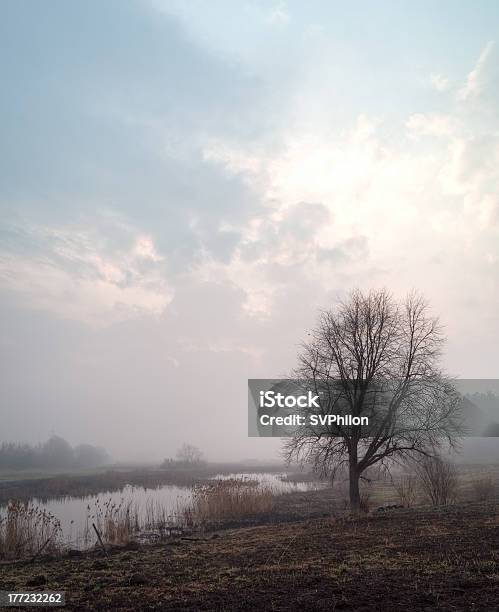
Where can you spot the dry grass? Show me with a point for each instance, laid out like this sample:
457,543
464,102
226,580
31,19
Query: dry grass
365,500
230,499
156,518
418,559
484,489
119,523
26,530
116,522
407,489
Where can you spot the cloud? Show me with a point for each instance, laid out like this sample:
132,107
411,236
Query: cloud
475,80
82,135
279,14
439,82
431,124
392,201
177,202
74,273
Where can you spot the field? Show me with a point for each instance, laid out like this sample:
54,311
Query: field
416,559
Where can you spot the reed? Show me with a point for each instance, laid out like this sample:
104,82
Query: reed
229,499
28,530
117,522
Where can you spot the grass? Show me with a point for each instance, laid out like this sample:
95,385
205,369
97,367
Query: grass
477,482
115,522
417,559
27,530
484,489
229,499
473,483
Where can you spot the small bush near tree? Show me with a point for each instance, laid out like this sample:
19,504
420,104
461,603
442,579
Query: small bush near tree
437,479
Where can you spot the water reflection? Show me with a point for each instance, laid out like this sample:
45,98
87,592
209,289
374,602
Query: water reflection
76,513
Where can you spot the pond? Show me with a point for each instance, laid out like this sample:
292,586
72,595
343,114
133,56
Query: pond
76,514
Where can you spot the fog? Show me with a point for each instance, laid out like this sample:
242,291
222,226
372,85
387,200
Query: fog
178,202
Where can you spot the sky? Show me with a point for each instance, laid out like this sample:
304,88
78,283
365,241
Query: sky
184,184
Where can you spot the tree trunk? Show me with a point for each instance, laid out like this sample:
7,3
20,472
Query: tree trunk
353,477
354,488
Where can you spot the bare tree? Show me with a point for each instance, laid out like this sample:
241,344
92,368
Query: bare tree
438,479
189,455
374,357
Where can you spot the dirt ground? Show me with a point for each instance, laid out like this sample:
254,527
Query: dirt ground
411,560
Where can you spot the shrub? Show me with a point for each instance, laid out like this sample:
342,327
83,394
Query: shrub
437,479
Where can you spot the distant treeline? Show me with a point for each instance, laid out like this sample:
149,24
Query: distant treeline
54,453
